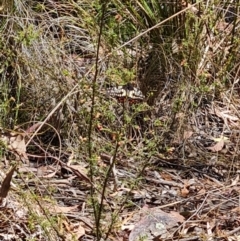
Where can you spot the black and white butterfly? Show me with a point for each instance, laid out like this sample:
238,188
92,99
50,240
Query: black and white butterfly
126,93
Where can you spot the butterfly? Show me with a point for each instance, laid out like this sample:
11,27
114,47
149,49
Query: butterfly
126,93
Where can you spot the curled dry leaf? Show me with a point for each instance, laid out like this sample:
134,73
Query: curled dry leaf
6,184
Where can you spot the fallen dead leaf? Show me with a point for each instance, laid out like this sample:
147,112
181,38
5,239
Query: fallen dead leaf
74,231
235,181
6,184
78,170
178,217
17,143
187,134
184,192
166,176
217,147
193,9
202,191
78,231
60,209
32,128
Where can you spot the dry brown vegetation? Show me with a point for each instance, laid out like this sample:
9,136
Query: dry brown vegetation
76,164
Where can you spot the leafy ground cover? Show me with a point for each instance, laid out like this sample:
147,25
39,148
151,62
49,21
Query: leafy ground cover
81,162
